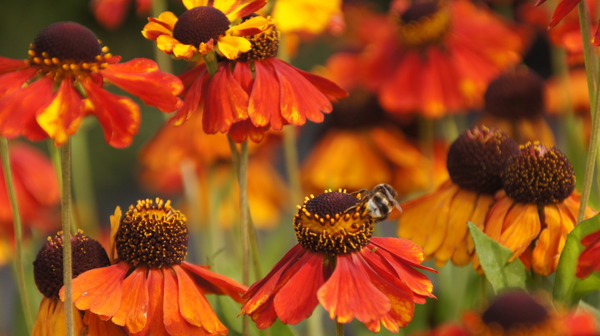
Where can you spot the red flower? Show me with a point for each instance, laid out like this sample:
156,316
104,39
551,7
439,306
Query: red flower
62,81
589,259
111,13
339,265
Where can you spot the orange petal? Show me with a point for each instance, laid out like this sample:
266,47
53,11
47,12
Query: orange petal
119,116
133,312
551,241
214,283
349,293
100,290
521,226
142,78
263,107
297,299
62,117
98,327
175,323
155,305
194,307
240,10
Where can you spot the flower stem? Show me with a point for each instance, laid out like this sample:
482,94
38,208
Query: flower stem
14,206
593,90
339,329
65,162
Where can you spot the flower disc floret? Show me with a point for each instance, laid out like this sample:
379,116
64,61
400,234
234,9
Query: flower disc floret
199,25
152,234
515,310
333,223
264,45
476,159
48,265
538,175
515,94
423,23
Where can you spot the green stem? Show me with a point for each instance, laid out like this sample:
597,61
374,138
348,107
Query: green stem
339,329
83,186
65,161
18,228
593,89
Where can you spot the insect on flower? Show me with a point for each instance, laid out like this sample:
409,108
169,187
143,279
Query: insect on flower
380,201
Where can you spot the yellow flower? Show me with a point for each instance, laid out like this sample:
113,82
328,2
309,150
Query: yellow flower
207,26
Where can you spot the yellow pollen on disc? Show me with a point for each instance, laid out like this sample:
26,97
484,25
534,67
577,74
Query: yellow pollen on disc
426,30
59,69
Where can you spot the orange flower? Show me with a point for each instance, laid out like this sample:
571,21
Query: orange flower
514,102
206,26
255,93
149,287
515,313
339,265
62,81
588,259
438,220
48,274
36,188
561,11
537,208
111,13
435,57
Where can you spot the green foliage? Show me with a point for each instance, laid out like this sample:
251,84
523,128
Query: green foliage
494,260
567,287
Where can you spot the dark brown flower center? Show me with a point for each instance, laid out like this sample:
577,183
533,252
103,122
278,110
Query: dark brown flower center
518,93
515,310
152,234
48,265
423,23
199,25
333,223
67,41
476,159
538,175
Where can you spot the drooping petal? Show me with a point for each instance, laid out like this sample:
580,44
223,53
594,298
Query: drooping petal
349,293
263,107
192,99
551,240
155,323
327,87
194,307
95,326
119,116
521,226
133,312
99,290
297,299
62,117
142,78
227,103
27,102
51,319
214,283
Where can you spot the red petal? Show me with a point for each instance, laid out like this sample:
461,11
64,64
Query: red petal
119,116
99,290
297,299
596,39
562,9
28,101
142,78
214,283
263,107
133,312
175,323
10,64
192,99
329,88
349,293
110,13
15,80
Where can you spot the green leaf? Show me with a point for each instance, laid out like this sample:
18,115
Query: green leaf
494,260
567,287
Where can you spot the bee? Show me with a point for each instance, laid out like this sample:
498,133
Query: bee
380,201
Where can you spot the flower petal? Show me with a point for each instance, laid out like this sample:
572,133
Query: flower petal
263,106
349,293
175,323
99,290
142,78
231,46
62,117
551,240
563,8
521,226
155,323
11,64
133,312
214,283
236,9
119,116
297,299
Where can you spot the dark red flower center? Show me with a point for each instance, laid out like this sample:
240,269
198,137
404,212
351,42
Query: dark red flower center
152,234
515,310
199,25
67,41
48,265
333,223
422,23
516,94
478,156
538,175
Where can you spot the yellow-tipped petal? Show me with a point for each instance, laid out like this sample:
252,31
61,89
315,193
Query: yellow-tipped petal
232,46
